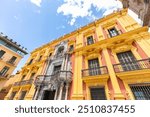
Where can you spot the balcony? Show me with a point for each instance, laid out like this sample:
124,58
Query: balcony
60,76
97,74
135,69
24,82
11,63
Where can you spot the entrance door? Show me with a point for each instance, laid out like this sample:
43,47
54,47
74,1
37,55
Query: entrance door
128,61
49,95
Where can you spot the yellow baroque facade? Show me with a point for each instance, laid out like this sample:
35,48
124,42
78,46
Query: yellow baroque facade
106,59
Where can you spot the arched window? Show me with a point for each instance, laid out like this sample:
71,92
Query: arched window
60,51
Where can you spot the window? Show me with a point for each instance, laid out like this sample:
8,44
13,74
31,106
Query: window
60,51
2,52
94,67
23,77
128,61
12,95
32,75
113,32
22,96
97,93
90,40
30,62
50,54
141,91
49,95
57,69
71,48
12,60
8,45
40,58
4,71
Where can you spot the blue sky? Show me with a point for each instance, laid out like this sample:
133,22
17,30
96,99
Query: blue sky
33,23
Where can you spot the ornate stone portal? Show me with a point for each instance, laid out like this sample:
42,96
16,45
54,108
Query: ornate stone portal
54,84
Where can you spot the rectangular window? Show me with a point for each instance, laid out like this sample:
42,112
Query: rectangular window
12,95
23,77
13,59
8,45
2,52
90,40
32,75
113,32
97,93
128,61
141,92
22,96
40,58
57,69
30,62
4,71
71,48
50,54
94,67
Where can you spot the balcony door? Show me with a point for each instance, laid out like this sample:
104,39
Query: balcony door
113,32
90,40
94,67
128,61
49,95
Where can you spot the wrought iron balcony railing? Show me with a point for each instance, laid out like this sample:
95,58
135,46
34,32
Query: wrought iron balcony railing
94,71
132,66
24,82
57,76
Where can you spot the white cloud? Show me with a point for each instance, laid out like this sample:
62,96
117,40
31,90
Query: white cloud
83,8
37,2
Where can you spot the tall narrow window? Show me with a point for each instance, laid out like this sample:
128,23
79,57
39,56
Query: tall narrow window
94,67
71,48
113,32
32,75
12,95
2,52
30,62
90,40
60,51
97,93
23,77
4,71
12,60
50,54
22,96
40,58
128,61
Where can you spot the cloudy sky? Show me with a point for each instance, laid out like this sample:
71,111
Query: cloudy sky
33,23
